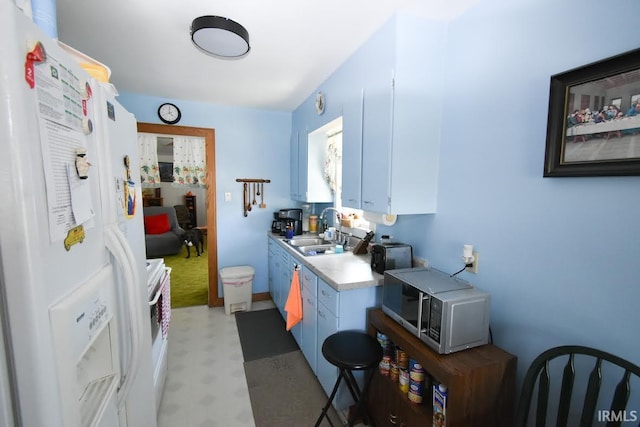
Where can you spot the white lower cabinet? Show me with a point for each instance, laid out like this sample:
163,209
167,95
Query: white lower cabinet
309,317
326,372
273,247
284,277
325,311
341,311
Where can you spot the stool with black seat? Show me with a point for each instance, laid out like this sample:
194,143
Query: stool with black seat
351,351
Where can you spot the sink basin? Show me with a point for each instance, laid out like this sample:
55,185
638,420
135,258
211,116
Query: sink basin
307,241
315,245
308,250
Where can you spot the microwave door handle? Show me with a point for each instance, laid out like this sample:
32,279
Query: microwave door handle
421,298
419,323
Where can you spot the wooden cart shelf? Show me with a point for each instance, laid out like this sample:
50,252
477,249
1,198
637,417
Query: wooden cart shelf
480,382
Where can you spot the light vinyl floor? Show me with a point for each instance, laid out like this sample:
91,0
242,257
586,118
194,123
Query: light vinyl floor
206,385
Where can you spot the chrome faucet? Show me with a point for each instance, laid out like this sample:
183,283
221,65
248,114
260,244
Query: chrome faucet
340,238
328,209
321,217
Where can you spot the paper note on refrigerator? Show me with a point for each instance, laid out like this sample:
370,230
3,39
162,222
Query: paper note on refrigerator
61,108
80,198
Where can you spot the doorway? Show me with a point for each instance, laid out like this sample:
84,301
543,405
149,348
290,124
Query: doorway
208,134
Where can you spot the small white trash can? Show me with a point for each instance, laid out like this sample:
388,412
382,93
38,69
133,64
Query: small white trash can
237,287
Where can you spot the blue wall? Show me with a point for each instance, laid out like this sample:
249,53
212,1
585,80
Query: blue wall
249,144
558,255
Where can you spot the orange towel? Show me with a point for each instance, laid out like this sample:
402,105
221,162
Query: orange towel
293,307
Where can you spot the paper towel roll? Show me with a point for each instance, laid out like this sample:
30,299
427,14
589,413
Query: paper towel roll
384,219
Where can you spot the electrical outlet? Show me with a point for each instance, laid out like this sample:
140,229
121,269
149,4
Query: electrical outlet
474,266
227,197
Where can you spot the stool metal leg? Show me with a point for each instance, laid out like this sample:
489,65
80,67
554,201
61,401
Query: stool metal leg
360,409
352,384
333,394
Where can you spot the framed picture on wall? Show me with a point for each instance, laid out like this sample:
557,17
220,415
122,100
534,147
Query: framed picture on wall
593,127
166,171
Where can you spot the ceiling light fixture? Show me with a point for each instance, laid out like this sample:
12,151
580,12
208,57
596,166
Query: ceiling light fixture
220,37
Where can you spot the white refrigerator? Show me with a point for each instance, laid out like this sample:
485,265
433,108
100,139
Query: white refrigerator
75,342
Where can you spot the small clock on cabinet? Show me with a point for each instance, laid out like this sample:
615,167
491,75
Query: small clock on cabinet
169,113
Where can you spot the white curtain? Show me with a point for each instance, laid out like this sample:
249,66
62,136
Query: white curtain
333,163
189,162
149,172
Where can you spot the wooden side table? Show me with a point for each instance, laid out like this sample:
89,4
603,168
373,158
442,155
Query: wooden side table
151,201
480,382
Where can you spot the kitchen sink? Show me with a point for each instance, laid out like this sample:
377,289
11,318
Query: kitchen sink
307,241
316,249
318,246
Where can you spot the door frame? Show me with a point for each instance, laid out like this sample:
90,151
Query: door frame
209,136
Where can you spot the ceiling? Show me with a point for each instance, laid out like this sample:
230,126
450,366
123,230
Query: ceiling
295,44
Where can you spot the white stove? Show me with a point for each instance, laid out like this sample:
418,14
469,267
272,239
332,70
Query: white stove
155,271
158,290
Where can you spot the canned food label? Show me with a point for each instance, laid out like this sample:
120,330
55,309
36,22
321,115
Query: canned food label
415,398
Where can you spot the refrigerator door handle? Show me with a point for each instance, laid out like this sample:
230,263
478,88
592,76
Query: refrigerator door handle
117,244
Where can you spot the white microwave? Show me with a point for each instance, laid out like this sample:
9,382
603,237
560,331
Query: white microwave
446,313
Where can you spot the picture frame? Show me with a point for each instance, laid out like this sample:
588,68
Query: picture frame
166,171
593,127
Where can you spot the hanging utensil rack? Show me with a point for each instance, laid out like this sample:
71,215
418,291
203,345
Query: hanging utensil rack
258,189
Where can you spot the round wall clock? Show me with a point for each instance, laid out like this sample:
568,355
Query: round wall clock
320,103
169,113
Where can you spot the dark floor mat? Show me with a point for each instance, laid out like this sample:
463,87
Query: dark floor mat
263,333
284,392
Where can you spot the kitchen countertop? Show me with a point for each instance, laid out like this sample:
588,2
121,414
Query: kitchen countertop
342,272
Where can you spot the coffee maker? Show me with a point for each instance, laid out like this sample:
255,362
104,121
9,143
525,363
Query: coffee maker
290,218
277,225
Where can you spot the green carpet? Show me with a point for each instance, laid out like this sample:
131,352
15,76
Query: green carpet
189,278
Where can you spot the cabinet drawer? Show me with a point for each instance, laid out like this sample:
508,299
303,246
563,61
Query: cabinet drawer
309,281
327,325
328,296
309,328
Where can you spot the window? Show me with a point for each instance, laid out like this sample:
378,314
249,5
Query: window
166,171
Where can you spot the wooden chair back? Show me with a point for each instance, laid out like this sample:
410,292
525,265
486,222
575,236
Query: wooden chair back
586,395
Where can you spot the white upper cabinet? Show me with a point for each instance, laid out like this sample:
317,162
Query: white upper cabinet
352,151
401,120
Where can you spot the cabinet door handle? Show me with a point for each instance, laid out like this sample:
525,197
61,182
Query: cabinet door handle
321,314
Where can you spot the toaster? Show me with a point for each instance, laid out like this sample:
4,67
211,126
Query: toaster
391,256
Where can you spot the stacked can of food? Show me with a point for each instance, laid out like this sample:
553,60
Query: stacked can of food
383,340
402,363
387,353
402,359
385,365
403,380
416,381
394,371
